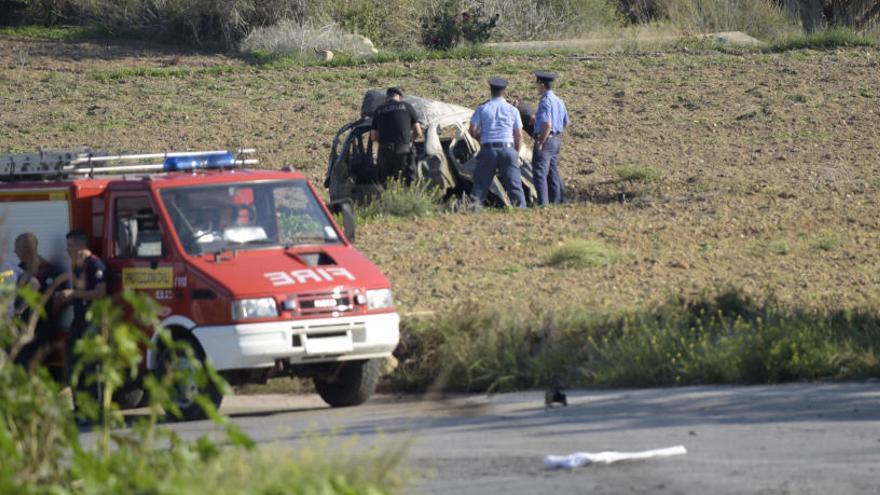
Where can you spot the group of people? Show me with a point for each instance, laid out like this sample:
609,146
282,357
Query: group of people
84,283
498,126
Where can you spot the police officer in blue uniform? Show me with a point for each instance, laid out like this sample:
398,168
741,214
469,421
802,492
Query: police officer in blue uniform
498,126
551,118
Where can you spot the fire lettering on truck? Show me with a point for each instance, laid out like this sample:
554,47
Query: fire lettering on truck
307,275
148,278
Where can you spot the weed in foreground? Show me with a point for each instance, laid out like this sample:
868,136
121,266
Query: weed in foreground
42,450
398,200
826,242
580,253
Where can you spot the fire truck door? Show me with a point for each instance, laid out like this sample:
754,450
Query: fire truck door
138,256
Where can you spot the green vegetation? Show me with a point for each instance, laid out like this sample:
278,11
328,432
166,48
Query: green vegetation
42,451
827,242
580,253
265,59
763,19
779,247
399,201
397,25
638,173
728,338
61,33
125,74
832,38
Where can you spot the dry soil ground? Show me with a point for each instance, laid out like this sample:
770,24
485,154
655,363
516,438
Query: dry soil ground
770,162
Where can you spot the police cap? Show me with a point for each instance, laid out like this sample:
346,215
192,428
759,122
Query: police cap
545,77
394,90
498,82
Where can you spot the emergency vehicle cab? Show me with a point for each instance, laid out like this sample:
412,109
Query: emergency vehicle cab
247,265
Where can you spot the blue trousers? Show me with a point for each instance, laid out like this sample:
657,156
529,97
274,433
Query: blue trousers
545,172
505,163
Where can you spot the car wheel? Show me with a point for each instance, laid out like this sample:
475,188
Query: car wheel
351,385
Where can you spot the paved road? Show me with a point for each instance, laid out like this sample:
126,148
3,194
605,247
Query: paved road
805,438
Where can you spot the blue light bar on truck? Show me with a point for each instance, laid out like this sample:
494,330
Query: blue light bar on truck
196,162
86,162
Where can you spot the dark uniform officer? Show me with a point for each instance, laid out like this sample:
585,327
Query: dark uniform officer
39,275
551,118
498,126
395,126
89,282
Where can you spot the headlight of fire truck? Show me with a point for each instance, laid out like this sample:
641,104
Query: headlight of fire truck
379,299
246,309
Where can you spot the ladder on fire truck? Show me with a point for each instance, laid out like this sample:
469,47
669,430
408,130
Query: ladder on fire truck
84,162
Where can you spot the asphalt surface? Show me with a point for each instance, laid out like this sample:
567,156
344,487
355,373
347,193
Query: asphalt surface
803,438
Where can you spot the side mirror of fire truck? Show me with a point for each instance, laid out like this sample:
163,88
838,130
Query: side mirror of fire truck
349,223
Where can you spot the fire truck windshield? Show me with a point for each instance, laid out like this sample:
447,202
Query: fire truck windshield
208,219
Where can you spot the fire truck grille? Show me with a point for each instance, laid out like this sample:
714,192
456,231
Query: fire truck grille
358,332
325,303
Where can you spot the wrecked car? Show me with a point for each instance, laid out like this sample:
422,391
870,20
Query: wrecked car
445,159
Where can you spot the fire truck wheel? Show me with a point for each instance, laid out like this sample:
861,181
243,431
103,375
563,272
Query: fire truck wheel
188,387
351,385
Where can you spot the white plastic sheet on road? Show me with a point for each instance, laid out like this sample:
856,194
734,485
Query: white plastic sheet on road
583,458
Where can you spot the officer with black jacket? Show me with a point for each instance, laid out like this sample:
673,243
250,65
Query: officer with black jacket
395,126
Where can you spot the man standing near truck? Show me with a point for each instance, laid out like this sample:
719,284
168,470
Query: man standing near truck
395,127
40,276
88,283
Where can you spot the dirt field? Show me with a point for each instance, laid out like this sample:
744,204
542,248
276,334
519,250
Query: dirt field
770,162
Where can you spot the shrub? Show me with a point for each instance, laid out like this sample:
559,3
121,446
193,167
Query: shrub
638,173
827,242
727,338
579,253
451,23
199,21
401,201
43,12
298,39
520,20
763,19
475,349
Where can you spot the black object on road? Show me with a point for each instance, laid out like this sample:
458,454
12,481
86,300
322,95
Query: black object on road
555,396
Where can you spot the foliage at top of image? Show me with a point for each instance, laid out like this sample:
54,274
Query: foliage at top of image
452,24
42,450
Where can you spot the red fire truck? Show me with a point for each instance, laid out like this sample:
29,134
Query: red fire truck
247,265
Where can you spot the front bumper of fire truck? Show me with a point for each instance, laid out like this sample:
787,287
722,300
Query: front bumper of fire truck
260,345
